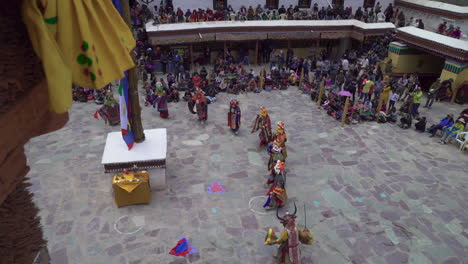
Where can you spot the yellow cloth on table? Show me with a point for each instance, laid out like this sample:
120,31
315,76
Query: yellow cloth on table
131,188
81,41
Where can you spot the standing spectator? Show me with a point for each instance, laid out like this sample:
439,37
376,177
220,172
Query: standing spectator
352,88
377,8
388,12
379,87
417,95
431,95
322,13
345,64
358,15
401,86
246,59
366,90
446,87
420,24
393,99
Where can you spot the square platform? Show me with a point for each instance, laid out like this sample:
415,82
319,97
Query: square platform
149,155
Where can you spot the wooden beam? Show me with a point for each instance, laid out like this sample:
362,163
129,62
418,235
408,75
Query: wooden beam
225,49
191,56
137,126
322,87
256,53
345,111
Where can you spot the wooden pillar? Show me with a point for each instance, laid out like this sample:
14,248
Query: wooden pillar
225,49
301,79
322,88
136,124
345,111
191,56
256,53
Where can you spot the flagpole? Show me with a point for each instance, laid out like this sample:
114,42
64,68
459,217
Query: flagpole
136,125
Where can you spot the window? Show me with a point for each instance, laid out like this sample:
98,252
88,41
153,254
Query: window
219,4
304,3
336,3
272,4
369,3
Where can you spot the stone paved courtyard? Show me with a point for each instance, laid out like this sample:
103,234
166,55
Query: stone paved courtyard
374,193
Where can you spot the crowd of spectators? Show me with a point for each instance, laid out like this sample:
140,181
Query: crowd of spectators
450,31
165,14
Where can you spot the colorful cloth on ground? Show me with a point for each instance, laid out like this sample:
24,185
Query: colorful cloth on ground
81,41
215,187
125,114
183,248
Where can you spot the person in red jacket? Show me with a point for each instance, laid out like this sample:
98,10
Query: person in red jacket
193,16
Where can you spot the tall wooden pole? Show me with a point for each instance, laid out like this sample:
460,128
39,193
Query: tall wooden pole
191,57
322,87
345,111
135,123
256,52
225,50
301,80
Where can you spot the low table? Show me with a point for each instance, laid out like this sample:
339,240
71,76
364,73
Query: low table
149,155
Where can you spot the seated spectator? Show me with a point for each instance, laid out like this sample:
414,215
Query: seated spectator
421,125
392,116
173,95
456,33
442,28
443,124
449,30
452,131
223,86
405,121
253,85
188,95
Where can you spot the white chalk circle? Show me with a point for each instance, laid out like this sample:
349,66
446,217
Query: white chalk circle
127,225
256,205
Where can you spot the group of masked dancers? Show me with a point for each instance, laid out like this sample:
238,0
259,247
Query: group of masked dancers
292,236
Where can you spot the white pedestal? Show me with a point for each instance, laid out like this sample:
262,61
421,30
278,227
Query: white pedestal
149,155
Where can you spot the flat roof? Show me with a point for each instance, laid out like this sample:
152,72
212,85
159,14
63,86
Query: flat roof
260,23
434,37
438,5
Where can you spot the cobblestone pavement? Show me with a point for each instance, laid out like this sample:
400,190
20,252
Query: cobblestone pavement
374,193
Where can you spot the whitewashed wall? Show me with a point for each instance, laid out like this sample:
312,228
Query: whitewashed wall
236,4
